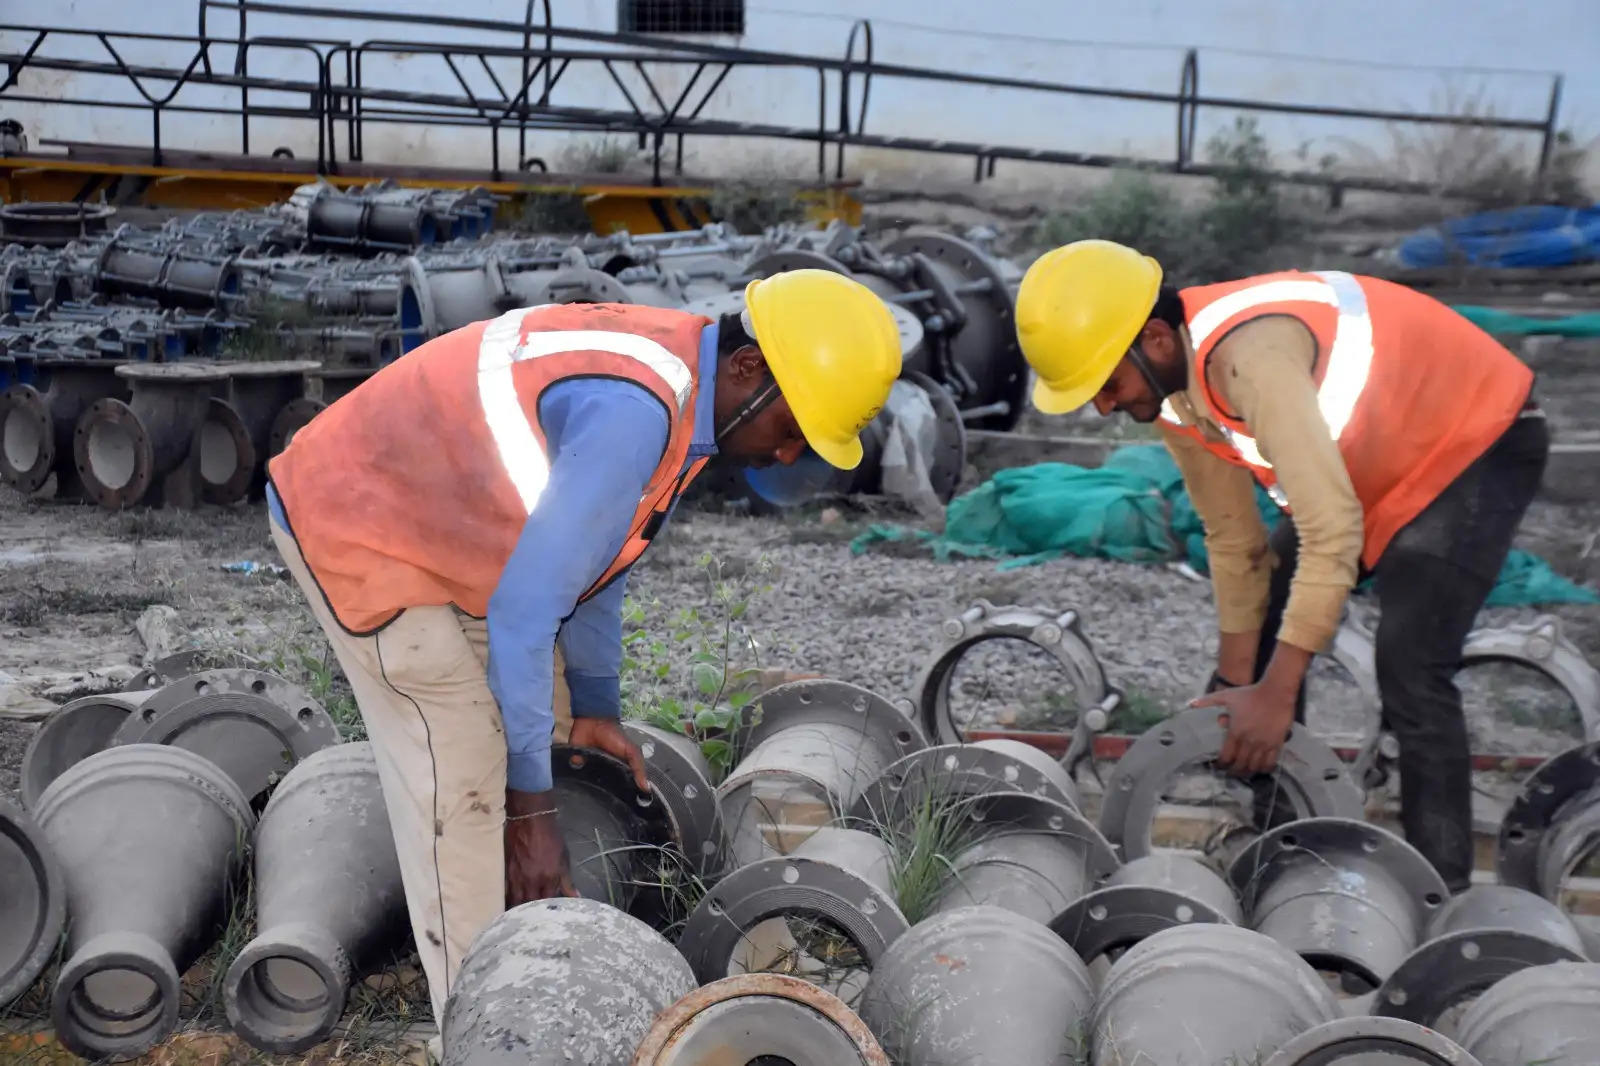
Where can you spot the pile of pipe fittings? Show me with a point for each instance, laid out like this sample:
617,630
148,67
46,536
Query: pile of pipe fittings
835,889
165,365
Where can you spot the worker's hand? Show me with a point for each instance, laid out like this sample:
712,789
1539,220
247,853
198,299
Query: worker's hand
607,735
1258,719
536,853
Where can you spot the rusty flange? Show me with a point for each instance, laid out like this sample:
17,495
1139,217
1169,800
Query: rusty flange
759,1018
1543,1014
1058,634
1345,895
290,419
253,725
1482,935
228,457
1142,898
1371,1040
840,876
680,777
610,827
1553,826
1310,778
33,902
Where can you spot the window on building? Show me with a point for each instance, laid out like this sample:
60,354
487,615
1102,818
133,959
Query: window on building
680,16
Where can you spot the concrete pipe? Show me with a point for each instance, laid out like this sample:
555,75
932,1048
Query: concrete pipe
760,1018
329,902
173,276
1309,782
1551,832
826,911
1368,1041
1058,633
1482,935
257,394
149,838
126,452
963,300
612,830
252,725
1204,994
954,771
1544,1014
560,981
291,419
1348,897
1028,854
37,420
1141,899
805,751
33,906
979,986
70,735
680,779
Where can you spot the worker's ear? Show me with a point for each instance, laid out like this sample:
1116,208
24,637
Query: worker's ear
747,363
1159,341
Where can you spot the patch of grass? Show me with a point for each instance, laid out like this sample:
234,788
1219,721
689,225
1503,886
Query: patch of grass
554,212
750,205
600,155
1137,713
31,607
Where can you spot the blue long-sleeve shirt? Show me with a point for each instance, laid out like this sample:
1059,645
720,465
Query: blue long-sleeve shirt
605,438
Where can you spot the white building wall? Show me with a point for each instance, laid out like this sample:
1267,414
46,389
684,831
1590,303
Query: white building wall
1403,54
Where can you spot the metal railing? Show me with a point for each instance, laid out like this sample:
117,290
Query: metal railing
338,95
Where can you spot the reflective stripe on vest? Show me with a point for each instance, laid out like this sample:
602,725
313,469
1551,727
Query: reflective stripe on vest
524,460
1349,357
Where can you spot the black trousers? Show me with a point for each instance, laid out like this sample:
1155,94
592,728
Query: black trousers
1431,581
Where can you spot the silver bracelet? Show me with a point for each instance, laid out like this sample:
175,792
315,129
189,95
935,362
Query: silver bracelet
535,814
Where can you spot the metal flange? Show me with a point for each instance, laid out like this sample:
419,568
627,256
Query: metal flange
1142,898
1309,777
824,701
33,902
1345,895
1482,935
29,449
979,985
1544,1014
228,457
1553,824
1369,1039
956,770
291,419
1204,993
1028,854
253,725
841,876
166,670
1058,634
611,828
949,461
680,777
70,735
759,1018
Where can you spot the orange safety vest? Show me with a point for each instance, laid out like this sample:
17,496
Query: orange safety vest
1411,392
413,489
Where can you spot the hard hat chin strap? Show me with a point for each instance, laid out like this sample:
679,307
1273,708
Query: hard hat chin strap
764,395
1141,363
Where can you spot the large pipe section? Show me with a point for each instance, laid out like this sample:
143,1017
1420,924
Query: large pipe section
1480,936
329,902
560,981
38,420
979,986
71,734
1140,899
1346,896
1365,1040
33,908
955,771
759,1018
149,838
126,451
841,879
1551,832
1543,1014
805,751
1205,994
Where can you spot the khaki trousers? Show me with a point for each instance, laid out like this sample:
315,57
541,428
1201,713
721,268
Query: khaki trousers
422,686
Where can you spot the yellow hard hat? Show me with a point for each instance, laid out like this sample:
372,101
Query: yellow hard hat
1079,309
833,349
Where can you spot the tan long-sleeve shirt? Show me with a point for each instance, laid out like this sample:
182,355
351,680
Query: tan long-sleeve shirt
1261,373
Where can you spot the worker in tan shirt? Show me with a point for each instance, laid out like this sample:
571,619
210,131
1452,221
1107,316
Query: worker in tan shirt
1401,440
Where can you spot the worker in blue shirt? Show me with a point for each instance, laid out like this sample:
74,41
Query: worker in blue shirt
463,522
